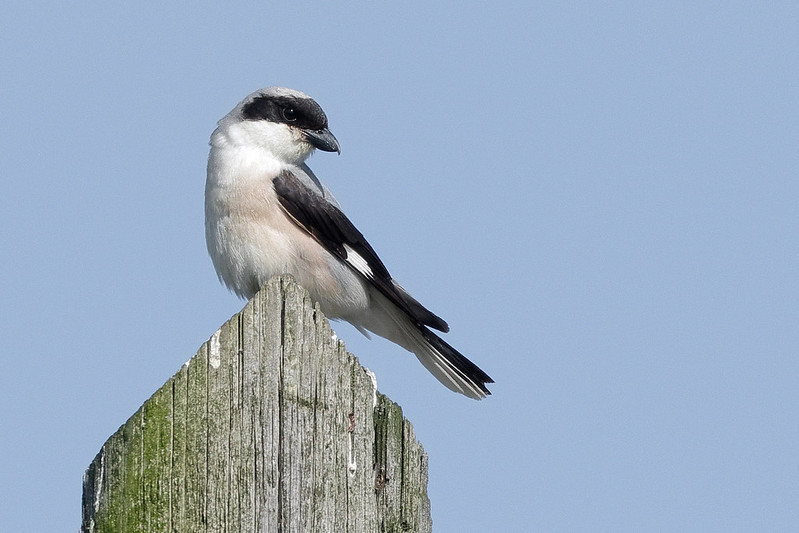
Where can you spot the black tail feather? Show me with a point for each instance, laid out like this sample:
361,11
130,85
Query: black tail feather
464,366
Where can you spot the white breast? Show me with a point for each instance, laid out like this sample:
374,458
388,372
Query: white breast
250,238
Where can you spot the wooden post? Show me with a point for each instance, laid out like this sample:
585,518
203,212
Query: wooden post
271,427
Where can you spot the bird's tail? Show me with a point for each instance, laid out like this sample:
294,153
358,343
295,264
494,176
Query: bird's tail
447,364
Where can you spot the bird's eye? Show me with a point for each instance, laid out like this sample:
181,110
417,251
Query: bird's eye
289,114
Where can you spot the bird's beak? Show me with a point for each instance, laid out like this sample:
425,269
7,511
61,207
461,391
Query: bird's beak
323,140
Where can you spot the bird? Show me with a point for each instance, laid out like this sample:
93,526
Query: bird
266,213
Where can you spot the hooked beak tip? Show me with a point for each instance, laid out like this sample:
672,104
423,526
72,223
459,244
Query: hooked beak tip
323,140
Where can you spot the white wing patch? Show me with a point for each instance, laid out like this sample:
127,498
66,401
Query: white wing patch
358,262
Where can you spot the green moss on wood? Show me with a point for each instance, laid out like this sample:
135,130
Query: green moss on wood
270,426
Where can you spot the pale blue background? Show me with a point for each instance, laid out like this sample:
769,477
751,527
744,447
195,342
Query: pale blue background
601,199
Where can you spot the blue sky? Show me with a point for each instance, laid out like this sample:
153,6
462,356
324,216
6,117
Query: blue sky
600,199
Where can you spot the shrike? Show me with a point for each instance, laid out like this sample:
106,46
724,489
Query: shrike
266,213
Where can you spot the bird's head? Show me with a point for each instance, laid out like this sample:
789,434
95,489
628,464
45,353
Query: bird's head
288,123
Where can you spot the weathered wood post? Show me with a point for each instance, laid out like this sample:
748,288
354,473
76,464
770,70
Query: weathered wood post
271,426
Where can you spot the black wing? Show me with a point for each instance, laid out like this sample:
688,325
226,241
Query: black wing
333,230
